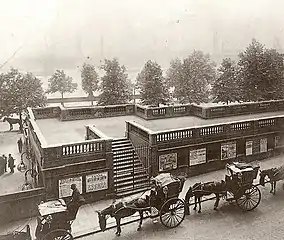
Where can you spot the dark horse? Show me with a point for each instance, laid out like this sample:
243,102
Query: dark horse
124,209
12,121
199,190
274,175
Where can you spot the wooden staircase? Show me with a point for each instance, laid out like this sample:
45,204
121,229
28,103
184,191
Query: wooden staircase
130,177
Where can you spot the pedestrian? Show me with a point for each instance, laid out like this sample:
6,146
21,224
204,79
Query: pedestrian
11,163
5,162
76,201
20,145
1,165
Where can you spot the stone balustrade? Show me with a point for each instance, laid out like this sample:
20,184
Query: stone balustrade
205,133
221,131
148,113
47,112
60,154
96,112
93,133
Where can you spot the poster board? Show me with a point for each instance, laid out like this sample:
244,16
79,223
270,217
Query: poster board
197,156
279,141
263,145
97,182
167,162
249,147
64,186
228,150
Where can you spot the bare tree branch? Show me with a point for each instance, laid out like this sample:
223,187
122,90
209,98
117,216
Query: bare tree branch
10,58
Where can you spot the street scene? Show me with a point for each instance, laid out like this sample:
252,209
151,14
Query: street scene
128,119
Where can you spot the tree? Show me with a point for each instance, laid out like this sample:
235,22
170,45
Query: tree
60,82
225,87
20,91
90,80
174,73
115,85
261,73
152,85
193,77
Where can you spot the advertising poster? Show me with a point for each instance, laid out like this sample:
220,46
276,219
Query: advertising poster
279,141
263,145
97,182
167,162
64,186
228,150
248,148
197,156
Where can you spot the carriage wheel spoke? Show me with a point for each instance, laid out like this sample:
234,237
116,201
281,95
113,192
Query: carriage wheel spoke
172,213
250,199
166,217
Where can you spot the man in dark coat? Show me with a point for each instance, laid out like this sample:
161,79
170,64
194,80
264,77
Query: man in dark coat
1,165
75,203
5,162
11,163
20,145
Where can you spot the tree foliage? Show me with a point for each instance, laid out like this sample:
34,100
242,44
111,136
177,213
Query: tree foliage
115,85
225,87
261,73
174,73
152,85
192,77
60,82
19,91
90,79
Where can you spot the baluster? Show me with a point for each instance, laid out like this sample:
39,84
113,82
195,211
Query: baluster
63,150
80,148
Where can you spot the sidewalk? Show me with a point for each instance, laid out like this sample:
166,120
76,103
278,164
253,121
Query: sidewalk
10,183
87,219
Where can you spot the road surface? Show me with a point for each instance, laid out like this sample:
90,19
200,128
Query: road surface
266,222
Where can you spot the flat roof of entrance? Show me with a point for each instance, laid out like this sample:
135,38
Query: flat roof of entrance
56,131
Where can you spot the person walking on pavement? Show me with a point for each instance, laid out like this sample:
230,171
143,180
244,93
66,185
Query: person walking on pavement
5,162
11,163
1,165
20,145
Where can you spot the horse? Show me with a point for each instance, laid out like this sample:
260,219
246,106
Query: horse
124,209
274,174
12,121
199,190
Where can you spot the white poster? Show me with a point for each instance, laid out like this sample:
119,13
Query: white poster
228,150
64,186
263,145
97,182
197,156
248,148
167,162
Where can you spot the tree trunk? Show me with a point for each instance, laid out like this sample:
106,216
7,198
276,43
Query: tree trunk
91,96
62,103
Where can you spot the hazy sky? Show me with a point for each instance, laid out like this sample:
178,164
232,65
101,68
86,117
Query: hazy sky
136,30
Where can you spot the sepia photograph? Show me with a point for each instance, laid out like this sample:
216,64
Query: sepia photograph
145,120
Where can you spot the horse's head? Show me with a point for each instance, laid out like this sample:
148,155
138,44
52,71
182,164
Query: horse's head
102,221
102,216
263,174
